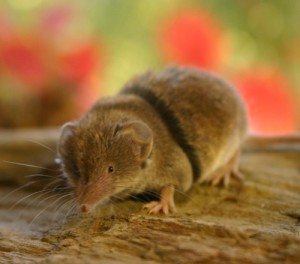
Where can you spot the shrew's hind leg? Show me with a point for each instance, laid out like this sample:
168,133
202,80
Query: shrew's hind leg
165,204
223,174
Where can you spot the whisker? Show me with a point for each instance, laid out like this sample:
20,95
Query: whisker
51,183
41,144
143,197
186,195
59,207
139,196
28,165
24,198
32,221
40,175
62,189
47,198
44,199
40,195
70,210
66,195
18,189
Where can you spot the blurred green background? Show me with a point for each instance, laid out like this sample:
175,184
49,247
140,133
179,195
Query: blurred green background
57,57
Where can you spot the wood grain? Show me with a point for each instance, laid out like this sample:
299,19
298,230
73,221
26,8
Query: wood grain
257,221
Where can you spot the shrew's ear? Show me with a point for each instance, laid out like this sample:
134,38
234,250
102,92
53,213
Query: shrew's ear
67,130
141,136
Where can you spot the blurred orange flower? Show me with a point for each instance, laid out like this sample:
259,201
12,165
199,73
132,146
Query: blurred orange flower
78,64
268,95
22,60
193,37
59,80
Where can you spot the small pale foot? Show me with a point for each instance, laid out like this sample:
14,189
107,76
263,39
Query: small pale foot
224,179
165,205
224,174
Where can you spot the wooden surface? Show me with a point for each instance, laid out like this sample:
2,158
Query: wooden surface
257,221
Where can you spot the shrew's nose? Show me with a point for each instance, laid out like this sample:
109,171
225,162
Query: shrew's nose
84,208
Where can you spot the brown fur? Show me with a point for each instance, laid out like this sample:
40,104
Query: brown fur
209,110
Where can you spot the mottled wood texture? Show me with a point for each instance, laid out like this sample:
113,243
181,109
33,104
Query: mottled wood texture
257,221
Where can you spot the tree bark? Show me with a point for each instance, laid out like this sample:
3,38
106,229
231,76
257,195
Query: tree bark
256,221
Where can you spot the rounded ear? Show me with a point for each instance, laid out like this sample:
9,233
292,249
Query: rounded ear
141,136
67,130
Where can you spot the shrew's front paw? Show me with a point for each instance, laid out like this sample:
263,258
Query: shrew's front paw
157,207
166,203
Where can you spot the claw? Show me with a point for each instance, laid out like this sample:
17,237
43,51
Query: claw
165,205
224,174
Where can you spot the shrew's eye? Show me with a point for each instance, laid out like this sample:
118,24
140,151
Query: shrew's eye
74,169
110,169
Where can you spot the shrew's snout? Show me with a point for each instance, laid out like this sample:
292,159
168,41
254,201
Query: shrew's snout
92,194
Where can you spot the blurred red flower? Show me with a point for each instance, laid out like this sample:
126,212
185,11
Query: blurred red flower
269,100
193,37
81,68
22,60
59,75
78,64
